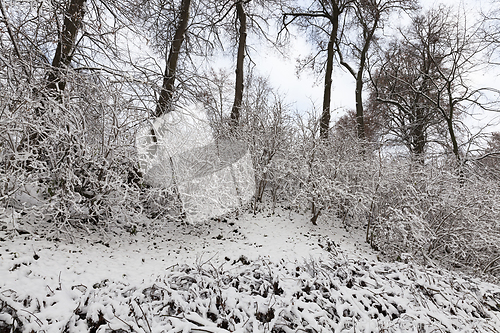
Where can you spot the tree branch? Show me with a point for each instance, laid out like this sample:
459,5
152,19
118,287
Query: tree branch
12,39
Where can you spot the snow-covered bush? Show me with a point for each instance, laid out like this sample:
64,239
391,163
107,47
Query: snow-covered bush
70,158
333,178
432,211
437,214
267,129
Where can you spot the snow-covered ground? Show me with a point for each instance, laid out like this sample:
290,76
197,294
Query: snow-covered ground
245,273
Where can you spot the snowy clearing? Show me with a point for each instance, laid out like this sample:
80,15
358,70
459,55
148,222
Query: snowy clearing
248,273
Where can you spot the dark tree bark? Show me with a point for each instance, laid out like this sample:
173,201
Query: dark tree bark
324,124
360,118
399,86
453,138
449,110
239,86
421,116
368,33
324,15
164,104
73,18
56,83
368,17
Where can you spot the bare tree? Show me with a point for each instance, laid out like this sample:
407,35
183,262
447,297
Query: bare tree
321,20
425,78
236,19
266,125
368,17
240,60
64,109
459,56
249,15
73,18
73,13
54,82
403,75
165,100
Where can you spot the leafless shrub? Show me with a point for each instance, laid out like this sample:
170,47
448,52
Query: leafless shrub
438,214
333,177
72,159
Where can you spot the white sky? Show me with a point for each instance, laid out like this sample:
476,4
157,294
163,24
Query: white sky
305,90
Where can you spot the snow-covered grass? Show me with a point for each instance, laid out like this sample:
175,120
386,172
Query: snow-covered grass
243,273
329,295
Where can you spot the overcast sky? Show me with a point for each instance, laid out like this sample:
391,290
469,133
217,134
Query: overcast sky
307,89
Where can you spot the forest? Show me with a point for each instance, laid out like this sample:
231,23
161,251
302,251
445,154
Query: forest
83,81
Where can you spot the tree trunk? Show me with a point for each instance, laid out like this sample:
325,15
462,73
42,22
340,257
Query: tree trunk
164,104
418,134
238,93
360,119
453,138
73,18
324,124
